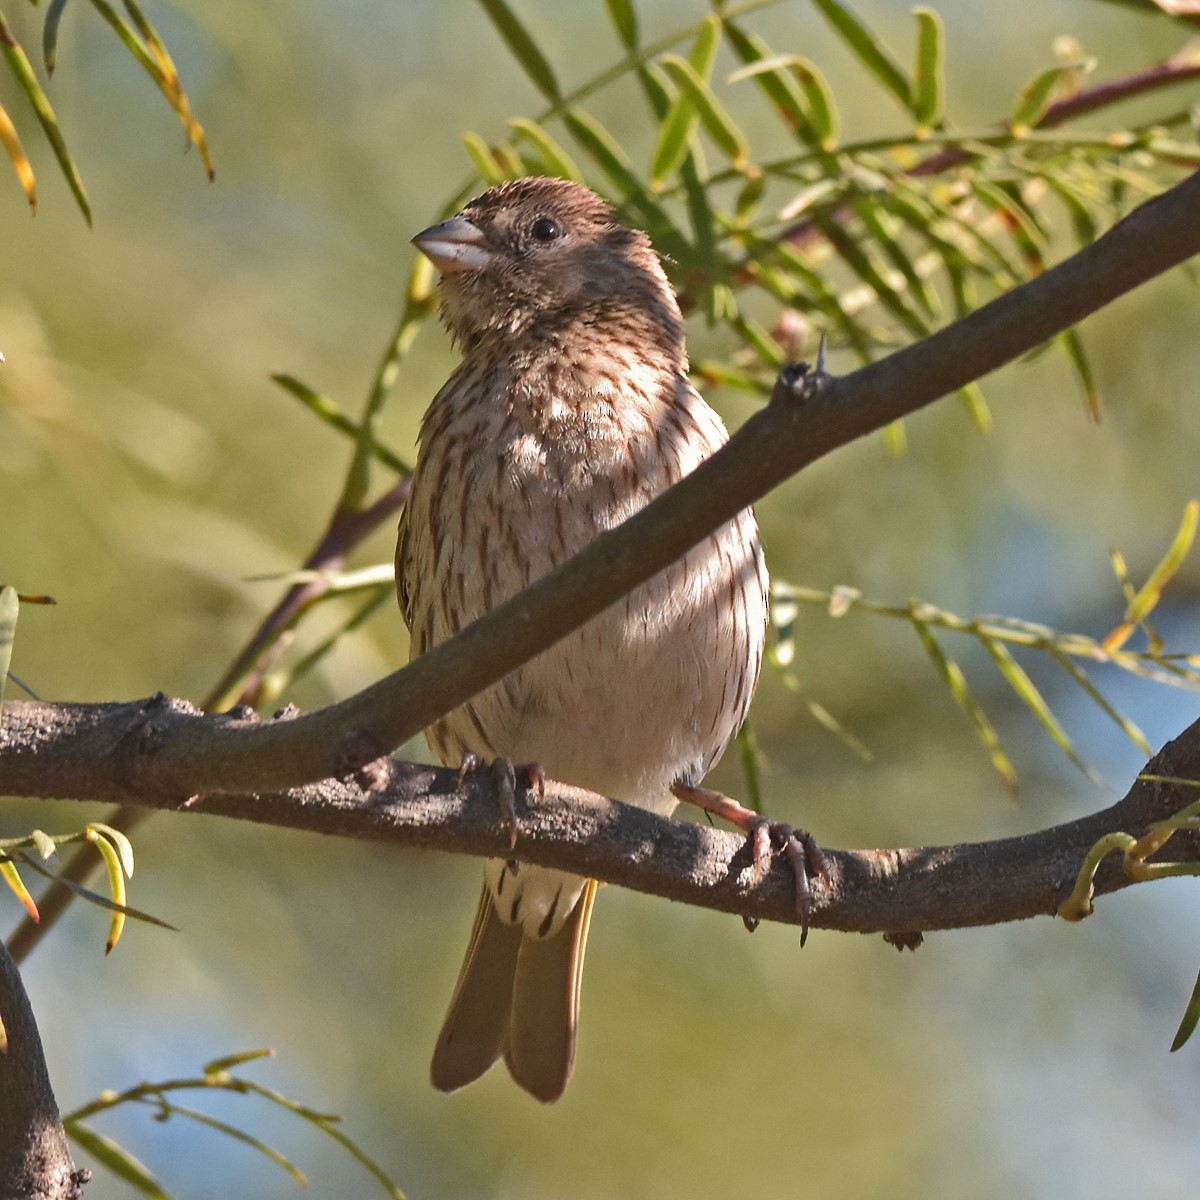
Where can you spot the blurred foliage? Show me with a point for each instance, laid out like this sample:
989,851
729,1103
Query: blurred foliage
218,1075
780,226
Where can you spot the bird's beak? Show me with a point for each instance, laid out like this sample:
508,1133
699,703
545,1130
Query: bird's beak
454,246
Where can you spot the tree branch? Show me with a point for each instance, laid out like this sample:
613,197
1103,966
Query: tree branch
81,752
244,755
35,1160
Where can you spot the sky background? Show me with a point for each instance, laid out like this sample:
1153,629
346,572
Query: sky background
148,466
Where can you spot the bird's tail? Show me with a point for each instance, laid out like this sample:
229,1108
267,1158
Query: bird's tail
517,998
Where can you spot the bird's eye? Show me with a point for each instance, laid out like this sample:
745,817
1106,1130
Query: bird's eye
545,230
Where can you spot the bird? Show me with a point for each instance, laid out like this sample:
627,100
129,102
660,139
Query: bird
571,409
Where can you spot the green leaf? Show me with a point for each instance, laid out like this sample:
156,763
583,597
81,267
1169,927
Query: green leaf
771,74
117,1159
1071,341
10,607
974,401
672,146
853,254
239,1135
557,161
22,69
1018,679
95,897
751,758
708,40
822,110
868,49
1191,1018
523,48
50,34
1148,596
956,681
485,161
1127,727
624,19
1036,97
928,91
716,121
881,225
329,412
217,1065
152,54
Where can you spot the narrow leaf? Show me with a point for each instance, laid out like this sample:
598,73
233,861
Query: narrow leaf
557,161
483,158
704,50
1127,727
1142,604
716,121
523,48
751,759
672,145
169,83
239,1135
624,19
1036,96
974,401
1027,692
928,81
1191,1017
122,845
868,49
8,871
20,161
822,111
770,72
116,886
1071,341
217,1065
956,681
117,1159
22,69
97,899
329,412
50,34
10,607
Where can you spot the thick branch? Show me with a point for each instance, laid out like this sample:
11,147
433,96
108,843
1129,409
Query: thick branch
81,752
35,1160
774,444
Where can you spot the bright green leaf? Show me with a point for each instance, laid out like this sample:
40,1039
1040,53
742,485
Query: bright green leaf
557,160
1191,1017
928,80
117,1159
716,121
624,19
867,48
22,70
523,48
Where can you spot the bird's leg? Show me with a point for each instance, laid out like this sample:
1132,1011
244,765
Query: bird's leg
767,838
505,773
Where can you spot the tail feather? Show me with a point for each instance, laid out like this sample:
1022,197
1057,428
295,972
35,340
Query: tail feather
517,997
545,1004
476,1025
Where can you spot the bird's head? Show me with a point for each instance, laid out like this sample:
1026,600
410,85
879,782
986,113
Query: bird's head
541,251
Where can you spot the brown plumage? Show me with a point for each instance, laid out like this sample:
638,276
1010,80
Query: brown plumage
570,411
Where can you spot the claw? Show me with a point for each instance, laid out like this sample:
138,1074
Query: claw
767,838
504,774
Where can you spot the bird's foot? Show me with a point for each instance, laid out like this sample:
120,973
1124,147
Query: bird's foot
504,773
767,839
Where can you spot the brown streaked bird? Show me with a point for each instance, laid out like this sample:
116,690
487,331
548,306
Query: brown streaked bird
570,411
